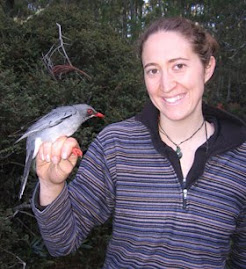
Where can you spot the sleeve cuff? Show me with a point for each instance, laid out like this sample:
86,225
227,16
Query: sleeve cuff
35,199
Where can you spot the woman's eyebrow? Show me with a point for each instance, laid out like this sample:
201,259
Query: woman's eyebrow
150,64
169,61
178,59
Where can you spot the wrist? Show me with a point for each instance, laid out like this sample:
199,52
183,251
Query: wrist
49,191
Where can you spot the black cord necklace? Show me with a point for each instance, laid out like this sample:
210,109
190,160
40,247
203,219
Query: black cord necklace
178,149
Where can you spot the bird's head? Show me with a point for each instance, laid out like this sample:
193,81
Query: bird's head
92,113
88,112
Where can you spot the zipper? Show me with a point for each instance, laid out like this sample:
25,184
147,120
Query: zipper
185,191
184,198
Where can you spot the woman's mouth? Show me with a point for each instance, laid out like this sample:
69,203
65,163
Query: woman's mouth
174,99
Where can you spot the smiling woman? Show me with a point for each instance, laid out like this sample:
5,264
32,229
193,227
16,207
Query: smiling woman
173,177
175,76
175,72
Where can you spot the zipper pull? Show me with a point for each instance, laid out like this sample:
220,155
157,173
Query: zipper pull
184,198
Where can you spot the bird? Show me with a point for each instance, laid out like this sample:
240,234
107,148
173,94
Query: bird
61,121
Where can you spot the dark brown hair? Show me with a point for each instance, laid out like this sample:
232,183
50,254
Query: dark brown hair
203,43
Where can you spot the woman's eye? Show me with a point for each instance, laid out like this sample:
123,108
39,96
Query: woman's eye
153,71
179,66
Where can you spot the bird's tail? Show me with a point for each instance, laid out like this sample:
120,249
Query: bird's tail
28,163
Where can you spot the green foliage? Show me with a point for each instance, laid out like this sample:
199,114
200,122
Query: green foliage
28,91
93,32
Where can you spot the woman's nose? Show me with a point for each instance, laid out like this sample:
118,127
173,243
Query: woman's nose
168,82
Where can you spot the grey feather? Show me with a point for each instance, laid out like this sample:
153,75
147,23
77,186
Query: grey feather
61,121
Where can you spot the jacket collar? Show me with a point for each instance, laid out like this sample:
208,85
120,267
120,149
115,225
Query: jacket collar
230,131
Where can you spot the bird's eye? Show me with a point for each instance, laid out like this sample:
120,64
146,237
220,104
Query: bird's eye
90,112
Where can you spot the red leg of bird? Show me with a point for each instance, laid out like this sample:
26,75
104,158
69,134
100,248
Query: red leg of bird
77,152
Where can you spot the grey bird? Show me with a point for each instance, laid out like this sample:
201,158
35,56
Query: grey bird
61,121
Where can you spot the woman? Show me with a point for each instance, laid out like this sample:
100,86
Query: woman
173,177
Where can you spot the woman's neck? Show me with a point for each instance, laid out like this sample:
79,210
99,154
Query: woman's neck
181,129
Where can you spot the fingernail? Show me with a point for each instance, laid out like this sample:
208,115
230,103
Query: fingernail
48,158
42,157
64,156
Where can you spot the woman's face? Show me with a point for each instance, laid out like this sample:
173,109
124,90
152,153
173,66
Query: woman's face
174,75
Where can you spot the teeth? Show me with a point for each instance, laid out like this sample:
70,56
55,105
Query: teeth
173,99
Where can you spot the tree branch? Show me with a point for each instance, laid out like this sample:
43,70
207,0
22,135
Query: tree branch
56,71
17,257
62,44
20,208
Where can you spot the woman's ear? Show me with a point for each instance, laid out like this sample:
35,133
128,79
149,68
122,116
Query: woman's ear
209,70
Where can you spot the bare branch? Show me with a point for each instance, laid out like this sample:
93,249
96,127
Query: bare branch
20,208
23,206
62,44
26,227
236,51
7,152
56,71
59,70
17,257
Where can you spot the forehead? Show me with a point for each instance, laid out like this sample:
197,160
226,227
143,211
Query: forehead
167,44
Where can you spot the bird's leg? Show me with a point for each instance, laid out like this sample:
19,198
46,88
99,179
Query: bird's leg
77,152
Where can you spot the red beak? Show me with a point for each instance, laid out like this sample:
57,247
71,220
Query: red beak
99,115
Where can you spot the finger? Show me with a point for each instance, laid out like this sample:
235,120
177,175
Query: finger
40,154
68,147
56,149
47,151
66,166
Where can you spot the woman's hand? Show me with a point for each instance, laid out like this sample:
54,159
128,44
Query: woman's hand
54,162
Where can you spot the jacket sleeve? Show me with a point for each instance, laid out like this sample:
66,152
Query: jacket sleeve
238,247
86,201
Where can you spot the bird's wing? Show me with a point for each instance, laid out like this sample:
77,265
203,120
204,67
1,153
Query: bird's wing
53,118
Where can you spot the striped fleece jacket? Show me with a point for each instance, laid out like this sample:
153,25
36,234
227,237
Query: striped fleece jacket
160,219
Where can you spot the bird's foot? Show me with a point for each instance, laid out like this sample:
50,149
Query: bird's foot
77,152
